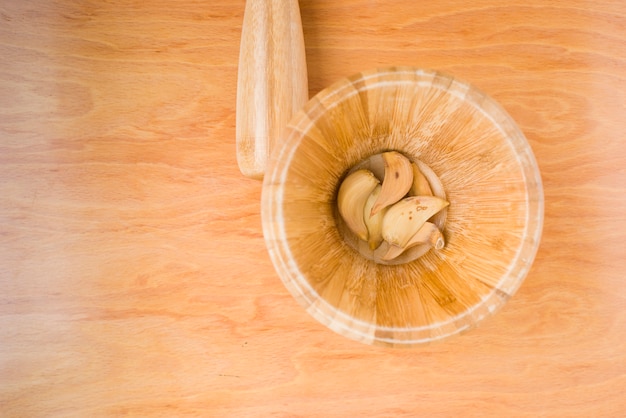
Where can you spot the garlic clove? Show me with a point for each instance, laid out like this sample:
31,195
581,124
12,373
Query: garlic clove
374,223
427,234
351,198
420,186
405,218
397,181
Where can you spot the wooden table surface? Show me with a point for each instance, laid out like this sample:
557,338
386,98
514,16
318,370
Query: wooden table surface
134,278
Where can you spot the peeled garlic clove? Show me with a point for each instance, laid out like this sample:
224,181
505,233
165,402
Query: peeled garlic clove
397,181
406,217
420,186
374,223
427,234
353,194
433,180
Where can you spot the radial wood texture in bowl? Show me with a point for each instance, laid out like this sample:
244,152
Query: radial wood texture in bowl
493,223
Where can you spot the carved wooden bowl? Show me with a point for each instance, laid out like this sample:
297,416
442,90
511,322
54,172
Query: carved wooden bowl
492,227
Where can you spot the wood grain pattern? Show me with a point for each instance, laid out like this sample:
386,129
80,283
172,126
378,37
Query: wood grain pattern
134,279
272,79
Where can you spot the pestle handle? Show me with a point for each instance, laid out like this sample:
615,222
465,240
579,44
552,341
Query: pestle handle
272,79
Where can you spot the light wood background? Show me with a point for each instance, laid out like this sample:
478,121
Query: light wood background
134,279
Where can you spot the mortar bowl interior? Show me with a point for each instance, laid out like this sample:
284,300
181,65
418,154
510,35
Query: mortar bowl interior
493,225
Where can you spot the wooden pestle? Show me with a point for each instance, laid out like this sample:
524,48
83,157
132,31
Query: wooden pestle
272,79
